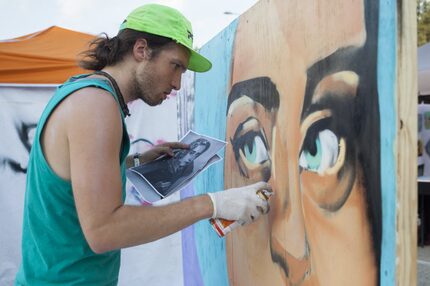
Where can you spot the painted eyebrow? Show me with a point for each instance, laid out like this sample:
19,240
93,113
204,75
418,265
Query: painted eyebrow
240,128
259,89
341,60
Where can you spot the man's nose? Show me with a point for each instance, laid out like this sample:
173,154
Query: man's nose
176,81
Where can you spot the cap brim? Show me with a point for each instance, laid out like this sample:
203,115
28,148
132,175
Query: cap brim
198,63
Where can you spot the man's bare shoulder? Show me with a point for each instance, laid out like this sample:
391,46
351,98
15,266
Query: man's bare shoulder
92,101
89,110
93,119
79,116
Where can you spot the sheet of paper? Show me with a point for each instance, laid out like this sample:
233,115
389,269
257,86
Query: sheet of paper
157,179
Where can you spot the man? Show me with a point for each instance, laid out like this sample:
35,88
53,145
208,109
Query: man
75,221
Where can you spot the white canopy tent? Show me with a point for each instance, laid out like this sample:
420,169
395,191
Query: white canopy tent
424,70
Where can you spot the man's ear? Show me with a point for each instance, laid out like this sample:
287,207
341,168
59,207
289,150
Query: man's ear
141,50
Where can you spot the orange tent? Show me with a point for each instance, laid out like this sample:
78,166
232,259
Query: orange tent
45,57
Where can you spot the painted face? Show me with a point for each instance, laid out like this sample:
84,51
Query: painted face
155,78
295,119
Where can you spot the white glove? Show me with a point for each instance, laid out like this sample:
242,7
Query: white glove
241,204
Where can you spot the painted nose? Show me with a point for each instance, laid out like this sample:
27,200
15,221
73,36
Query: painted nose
297,248
295,227
289,234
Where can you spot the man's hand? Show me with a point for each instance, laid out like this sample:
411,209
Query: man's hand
242,204
162,149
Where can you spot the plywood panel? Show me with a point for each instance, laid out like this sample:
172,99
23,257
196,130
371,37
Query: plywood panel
311,107
406,273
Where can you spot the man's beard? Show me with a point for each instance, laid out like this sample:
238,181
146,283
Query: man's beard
141,87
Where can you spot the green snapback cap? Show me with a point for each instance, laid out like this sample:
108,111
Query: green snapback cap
170,23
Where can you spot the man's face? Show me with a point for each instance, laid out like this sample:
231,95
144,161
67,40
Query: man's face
317,232
155,78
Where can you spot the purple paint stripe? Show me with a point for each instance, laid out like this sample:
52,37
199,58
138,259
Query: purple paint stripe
190,263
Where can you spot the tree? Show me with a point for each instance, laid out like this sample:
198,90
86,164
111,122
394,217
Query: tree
423,21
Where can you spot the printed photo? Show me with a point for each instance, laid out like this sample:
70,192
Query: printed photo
167,175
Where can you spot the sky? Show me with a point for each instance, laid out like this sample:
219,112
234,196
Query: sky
21,17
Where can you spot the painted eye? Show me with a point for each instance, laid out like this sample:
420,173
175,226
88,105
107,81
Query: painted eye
320,152
251,150
255,150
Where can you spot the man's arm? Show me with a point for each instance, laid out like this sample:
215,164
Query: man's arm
94,133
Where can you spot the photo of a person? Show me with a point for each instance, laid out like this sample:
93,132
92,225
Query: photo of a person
305,118
166,173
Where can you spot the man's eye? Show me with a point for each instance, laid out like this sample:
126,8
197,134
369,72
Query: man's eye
254,149
320,151
176,66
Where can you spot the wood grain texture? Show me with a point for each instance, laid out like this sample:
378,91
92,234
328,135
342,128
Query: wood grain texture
406,89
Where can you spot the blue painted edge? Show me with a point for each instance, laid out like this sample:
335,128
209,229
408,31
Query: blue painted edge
190,263
211,90
387,43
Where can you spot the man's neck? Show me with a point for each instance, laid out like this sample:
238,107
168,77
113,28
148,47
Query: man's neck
122,78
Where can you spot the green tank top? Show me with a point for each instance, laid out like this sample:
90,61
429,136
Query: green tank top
54,249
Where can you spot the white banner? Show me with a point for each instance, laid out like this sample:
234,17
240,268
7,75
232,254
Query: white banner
20,109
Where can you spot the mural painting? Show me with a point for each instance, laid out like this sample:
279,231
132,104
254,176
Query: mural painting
303,114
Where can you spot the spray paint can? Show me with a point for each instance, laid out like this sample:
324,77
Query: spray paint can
223,226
